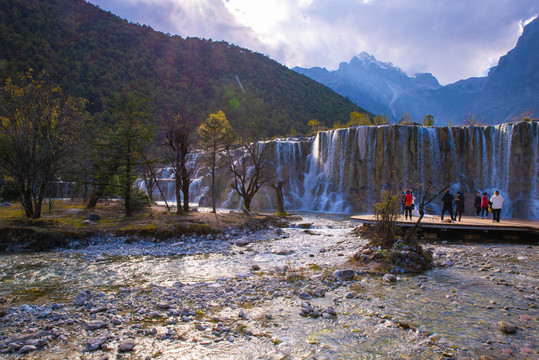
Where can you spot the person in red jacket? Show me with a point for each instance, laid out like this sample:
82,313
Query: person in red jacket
484,205
408,205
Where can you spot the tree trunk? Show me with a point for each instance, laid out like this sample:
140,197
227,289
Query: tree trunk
177,185
186,182
95,195
185,190
213,187
279,196
26,200
127,199
247,202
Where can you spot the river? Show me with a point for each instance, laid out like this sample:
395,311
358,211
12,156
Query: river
239,296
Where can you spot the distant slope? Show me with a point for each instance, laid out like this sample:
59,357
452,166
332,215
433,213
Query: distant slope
95,54
509,90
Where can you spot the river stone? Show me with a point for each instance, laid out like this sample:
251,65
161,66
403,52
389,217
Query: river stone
27,348
390,278
343,275
126,345
82,297
305,296
163,306
94,325
506,327
96,343
93,217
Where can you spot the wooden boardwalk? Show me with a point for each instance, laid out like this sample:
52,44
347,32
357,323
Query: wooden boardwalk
471,223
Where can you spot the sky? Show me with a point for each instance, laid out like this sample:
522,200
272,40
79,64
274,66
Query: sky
452,39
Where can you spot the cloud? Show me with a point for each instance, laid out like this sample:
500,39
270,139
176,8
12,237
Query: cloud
453,39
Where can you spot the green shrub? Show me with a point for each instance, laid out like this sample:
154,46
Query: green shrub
140,200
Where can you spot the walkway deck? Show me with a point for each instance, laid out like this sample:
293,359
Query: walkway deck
468,223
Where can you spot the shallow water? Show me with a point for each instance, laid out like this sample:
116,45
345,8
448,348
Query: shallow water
450,311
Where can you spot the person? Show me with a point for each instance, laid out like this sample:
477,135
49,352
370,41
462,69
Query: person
447,201
484,205
459,205
408,205
497,202
477,203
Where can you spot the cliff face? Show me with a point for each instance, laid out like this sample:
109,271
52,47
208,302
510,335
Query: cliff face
340,171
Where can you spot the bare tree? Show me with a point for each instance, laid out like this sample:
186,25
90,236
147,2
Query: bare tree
425,198
179,132
251,171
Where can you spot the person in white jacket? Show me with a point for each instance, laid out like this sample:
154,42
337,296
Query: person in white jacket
497,203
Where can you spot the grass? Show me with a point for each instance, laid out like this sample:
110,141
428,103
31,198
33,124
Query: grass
66,220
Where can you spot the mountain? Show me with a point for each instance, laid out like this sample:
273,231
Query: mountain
509,90
378,86
96,55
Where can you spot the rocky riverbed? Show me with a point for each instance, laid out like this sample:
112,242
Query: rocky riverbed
273,293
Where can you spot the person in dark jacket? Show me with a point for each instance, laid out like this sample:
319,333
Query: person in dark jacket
477,203
447,201
459,205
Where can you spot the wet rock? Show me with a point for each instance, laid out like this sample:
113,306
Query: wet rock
98,309
243,242
343,275
507,328
94,325
126,345
82,297
96,343
283,252
93,217
163,305
255,267
305,296
27,348
390,278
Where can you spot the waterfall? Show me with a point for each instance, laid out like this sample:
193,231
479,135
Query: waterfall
338,171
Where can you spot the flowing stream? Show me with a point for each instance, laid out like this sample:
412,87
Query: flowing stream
254,279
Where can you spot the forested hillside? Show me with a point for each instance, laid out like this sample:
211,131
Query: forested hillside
96,55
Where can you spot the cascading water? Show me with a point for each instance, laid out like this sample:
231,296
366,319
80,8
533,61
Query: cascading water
338,171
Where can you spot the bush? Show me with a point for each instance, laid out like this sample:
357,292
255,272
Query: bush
140,200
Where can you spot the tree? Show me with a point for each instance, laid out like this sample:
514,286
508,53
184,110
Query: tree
214,135
471,120
381,120
428,120
406,119
131,134
357,118
97,161
178,138
315,126
38,126
425,198
251,171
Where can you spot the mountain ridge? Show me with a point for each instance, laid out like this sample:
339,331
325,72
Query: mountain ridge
510,90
